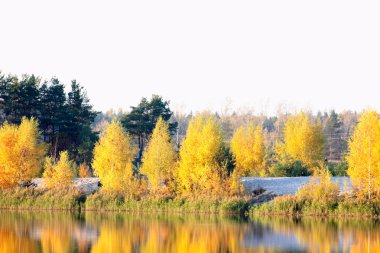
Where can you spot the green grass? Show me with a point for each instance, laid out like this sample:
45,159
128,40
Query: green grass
341,207
29,198
34,199
102,201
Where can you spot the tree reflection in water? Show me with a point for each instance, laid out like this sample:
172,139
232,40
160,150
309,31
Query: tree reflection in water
115,232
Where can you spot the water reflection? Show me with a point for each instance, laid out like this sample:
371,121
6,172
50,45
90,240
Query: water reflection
114,232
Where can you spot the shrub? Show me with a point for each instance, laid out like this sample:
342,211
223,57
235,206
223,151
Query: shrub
84,171
59,174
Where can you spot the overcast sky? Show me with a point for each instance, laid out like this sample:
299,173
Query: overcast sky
317,55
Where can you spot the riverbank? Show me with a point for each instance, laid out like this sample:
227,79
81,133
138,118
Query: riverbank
343,206
75,200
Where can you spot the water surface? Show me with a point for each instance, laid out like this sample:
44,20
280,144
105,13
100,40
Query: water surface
115,232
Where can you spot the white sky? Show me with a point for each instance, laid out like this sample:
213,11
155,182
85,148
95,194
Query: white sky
316,54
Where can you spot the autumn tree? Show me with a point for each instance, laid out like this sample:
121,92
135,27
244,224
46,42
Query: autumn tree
141,120
198,170
303,140
364,156
64,119
21,153
84,170
113,157
59,174
247,145
159,158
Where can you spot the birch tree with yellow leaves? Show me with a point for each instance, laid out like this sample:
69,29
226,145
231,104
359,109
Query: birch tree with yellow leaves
59,174
364,156
198,171
113,157
159,159
247,145
303,140
21,153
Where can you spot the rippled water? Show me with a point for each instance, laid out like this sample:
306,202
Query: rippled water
115,232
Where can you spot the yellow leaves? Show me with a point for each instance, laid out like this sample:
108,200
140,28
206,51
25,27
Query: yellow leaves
197,169
84,171
159,158
113,157
59,175
364,156
247,145
303,140
320,188
21,153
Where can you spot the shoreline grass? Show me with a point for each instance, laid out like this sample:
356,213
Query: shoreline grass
30,198
74,200
298,207
102,201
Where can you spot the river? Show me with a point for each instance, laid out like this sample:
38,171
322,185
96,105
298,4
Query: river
116,232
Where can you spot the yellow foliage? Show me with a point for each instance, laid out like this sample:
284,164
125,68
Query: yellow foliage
320,188
21,153
303,140
247,145
159,158
84,171
364,156
197,170
236,187
113,157
60,174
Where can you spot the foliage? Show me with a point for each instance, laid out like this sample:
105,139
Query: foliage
65,120
113,157
320,188
364,156
289,169
225,159
20,152
84,171
303,140
142,119
60,174
198,170
339,169
333,129
247,145
159,159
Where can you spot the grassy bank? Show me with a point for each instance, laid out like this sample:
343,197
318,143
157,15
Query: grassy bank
35,199
30,198
101,201
295,206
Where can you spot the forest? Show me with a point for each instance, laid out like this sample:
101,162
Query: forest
149,149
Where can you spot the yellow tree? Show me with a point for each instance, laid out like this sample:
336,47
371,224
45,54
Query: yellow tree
364,156
159,158
21,153
59,174
303,140
84,170
247,145
198,170
113,157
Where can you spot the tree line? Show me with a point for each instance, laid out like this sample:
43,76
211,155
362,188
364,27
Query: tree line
168,151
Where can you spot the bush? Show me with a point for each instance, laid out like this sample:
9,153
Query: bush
319,189
289,169
84,171
339,169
